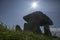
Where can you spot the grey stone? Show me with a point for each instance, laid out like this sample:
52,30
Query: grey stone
17,28
35,20
31,27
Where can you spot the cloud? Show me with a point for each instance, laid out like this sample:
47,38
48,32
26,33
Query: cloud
55,31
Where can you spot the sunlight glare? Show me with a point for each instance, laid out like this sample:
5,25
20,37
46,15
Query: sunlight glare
34,4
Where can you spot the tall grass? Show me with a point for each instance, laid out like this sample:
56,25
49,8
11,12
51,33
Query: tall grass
6,34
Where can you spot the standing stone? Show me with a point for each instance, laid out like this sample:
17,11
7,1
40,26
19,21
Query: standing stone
32,27
17,28
47,30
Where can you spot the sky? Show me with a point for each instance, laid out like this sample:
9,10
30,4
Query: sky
12,11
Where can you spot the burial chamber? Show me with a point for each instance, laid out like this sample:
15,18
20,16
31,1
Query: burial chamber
35,20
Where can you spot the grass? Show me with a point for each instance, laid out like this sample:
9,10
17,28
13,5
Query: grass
6,34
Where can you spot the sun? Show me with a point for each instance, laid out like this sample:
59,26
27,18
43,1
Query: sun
34,5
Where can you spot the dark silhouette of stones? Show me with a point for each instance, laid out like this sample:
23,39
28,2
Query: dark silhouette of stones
37,19
17,28
47,30
32,27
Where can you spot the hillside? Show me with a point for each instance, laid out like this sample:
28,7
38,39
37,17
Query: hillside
6,34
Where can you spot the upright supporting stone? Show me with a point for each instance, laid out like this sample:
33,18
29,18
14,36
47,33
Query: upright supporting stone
37,30
47,30
33,28
27,27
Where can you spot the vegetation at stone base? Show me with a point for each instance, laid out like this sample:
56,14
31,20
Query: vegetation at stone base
6,34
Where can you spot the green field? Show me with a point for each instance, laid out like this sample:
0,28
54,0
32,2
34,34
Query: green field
6,34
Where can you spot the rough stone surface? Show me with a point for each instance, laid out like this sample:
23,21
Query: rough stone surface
38,17
35,20
17,28
32,27
47,30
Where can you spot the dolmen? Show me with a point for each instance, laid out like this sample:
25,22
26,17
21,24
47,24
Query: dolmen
36,19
